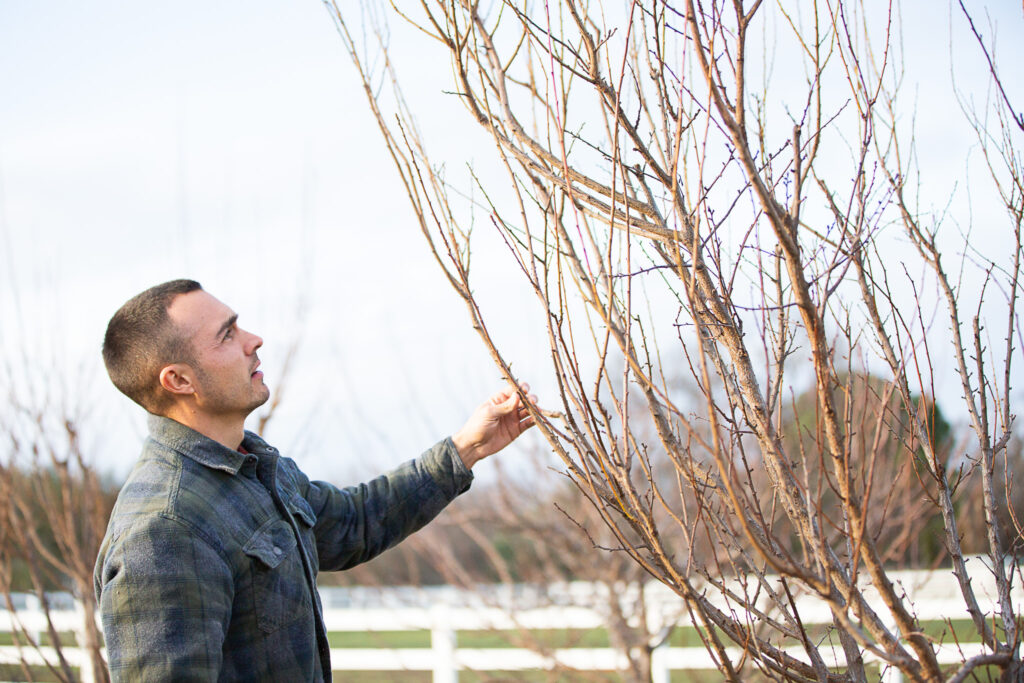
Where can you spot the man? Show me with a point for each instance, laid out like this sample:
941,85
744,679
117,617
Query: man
208,568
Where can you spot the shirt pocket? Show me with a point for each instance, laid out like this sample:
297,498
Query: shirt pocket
305,520
279,581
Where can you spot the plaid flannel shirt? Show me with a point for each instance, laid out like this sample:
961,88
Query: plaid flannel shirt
208,568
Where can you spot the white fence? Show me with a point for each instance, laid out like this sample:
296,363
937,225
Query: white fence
444,612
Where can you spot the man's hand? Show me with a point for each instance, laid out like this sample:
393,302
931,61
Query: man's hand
493,425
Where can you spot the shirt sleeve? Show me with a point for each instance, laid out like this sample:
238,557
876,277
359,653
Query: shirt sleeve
165,596
357,523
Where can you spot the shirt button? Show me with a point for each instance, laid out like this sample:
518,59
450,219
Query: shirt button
277,551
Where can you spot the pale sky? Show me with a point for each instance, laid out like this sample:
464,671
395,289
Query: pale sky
230,142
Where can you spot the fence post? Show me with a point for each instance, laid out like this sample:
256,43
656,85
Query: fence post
659,665
442,642
658,625
86,672
891,674
34,610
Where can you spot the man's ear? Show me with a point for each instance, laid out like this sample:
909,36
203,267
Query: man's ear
178,379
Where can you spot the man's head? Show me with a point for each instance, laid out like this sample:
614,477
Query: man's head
176,346
141,339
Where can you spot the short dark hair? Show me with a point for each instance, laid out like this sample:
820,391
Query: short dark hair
141,340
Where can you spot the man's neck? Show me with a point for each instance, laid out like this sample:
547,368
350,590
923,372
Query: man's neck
224,429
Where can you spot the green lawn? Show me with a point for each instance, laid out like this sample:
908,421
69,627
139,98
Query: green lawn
13,672
68,638
379,639
547,638
568,638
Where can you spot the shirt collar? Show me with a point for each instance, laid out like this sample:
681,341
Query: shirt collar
203,449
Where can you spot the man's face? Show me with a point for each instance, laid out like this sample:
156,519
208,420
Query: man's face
226,377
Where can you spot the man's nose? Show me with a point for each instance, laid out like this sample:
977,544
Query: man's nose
254,342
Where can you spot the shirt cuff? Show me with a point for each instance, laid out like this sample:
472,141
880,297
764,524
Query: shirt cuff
463,475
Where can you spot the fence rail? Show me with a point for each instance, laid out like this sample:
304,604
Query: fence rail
445,612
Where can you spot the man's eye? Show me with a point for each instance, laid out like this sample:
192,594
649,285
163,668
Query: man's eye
229,334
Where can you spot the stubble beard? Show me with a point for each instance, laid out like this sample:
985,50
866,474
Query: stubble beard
231,400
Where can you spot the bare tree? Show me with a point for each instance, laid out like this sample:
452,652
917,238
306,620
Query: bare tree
675,204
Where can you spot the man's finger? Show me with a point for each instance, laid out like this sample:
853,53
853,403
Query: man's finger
509,404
